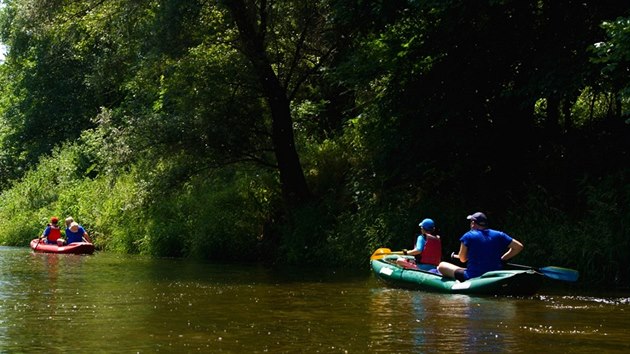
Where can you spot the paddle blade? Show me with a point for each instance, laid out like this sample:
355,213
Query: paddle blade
380,253
560,273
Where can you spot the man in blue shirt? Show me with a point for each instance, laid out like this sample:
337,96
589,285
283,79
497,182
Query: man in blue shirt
76,233
482,248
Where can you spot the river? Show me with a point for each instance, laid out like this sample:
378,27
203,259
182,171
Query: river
110,303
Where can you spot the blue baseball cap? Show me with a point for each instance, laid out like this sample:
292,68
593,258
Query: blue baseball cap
427,224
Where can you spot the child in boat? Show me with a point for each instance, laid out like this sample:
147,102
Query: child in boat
52,233
428,249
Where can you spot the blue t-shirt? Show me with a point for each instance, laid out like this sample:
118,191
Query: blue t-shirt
420,242
485,248
74,236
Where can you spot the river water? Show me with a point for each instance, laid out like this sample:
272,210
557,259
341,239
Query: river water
109,303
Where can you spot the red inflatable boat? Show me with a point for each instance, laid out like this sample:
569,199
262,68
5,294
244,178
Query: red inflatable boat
74,248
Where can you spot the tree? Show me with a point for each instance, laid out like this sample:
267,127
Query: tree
255,21
614,54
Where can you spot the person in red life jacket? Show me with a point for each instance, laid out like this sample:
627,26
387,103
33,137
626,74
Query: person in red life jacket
52,233
428,248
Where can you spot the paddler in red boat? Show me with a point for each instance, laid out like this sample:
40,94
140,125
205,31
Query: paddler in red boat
52,233
75,232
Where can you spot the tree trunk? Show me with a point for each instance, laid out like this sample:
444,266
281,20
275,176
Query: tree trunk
293,183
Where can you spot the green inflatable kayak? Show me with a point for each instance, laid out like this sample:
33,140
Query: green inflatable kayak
522,282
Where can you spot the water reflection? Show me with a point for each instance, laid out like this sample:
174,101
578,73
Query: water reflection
113,303
442,322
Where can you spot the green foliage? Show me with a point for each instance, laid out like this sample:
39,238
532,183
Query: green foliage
614,53
119,219
602,235
591,106
147,122
593,244
55,187
215,217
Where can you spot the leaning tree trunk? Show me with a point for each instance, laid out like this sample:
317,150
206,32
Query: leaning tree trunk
293,183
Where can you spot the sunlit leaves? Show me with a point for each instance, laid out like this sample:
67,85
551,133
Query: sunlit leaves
614,54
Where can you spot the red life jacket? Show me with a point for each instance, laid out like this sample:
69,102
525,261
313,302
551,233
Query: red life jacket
432,252
54,234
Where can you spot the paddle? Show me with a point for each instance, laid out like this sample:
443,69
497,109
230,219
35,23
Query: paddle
382,252
552,272
37,244
558,273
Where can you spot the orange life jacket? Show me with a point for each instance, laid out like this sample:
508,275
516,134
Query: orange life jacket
54,234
